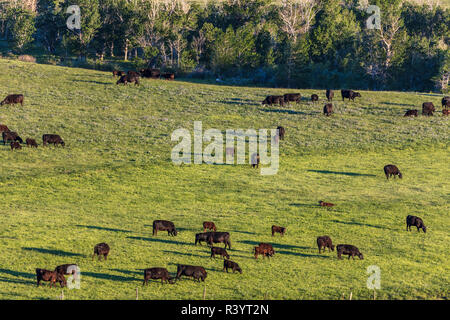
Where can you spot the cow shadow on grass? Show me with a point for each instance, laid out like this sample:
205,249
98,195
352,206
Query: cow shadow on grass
17,274
351,174
105,276
289,111
139,272
306,205
299,254
187,254
275,245
96,82
54,252
238,102
161,240
361,224
103,228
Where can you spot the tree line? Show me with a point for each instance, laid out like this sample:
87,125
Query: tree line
289,43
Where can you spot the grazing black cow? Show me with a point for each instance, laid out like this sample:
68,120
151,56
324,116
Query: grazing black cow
228,264
416,222
52,276
274,100
446,102
328,109
392,170
349,94
52,139
15,145
219,251
411,113
31,143
314,98
348,249
199,237
168,76
330,95
164,225
4,128
131,73
277,229
209,225
13,99
101,249
197,272
157,273
150,73
117,73
281,132
10,136
128,79
219,237
325,242
292,97
428,108
255,160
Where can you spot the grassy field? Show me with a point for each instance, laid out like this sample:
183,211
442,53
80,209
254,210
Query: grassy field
115,176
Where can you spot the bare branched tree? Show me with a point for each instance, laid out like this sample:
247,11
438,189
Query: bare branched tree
297,16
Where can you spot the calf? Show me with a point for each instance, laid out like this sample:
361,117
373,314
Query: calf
15,145
52,276
428,108
281,132
219,251
10,136
66,269
157,273
164,225
314,98
209,225
219,237
101,249
168,76
326,204
416,222
294,97
228,264
391,170
13,99
445,112
410,113
31,143
348,249
255,160
277,229
264,251
197,272
52,139
328,109
325,242
330,95
349,94
274,100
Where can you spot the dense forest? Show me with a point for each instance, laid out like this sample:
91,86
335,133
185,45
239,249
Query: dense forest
302,44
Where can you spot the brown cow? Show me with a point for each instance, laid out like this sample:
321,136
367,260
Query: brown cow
52,276
4,128
392,170
31,143
314,98
325,242
428,108
101,249
219,251
13,99
157,273
52,139
328,109
446,102
330,95
410,113
325,204
228,264
15,145
168,76
209,225
265,249
10,136
294,97
117,73
277,229
274,100
445,112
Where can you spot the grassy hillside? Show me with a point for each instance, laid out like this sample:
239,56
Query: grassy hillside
115,176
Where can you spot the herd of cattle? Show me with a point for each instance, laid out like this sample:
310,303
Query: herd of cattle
211,237
427,107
